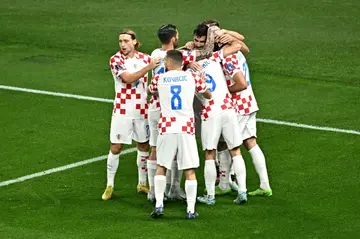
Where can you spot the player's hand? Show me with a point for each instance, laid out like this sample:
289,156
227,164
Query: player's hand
202,76
190,45
195,66
224,39
220,32
154,62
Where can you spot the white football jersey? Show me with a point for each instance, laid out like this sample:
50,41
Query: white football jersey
176,90
130,99
245,102
188,56
216,83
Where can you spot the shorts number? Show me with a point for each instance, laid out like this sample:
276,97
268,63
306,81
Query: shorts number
211,83
176,103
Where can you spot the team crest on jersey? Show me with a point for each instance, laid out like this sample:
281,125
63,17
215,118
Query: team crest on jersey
229,66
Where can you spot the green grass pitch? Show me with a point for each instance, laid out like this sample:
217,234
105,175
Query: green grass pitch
304,68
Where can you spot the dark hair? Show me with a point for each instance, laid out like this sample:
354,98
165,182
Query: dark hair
201,30
211,22
175,56
166,32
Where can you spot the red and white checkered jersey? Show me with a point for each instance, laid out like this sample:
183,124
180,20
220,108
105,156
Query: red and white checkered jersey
244,101
176,90
216,83
130,99
188,56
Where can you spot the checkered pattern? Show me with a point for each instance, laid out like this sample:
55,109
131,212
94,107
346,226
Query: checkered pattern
231,66
143,109
211,107
165,123
244,105
217,56
143,57
188,56
154,100
117,64
189,128
173,125
200,84
130,99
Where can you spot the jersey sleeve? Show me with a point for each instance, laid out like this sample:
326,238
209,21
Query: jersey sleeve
200,85
117,65
188,56
217,56
231,65
153,87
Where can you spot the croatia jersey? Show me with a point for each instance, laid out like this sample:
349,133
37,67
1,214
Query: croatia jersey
176,90
130,99
188,56
245,102
216,83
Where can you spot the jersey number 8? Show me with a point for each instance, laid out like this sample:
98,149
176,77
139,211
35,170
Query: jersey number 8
176,103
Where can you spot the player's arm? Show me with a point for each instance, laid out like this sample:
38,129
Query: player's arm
240,83
132,77
232,68
152,88
226,38
231,48
201,85
234,34
209,45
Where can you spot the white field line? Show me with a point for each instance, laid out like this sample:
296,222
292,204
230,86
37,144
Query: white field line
269,121
81,97
62,168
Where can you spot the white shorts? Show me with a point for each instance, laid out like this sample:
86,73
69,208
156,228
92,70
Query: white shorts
182,145
247,124
123,130
154,117
224,124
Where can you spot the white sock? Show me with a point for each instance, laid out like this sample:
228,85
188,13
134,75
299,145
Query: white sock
210,177
141,161
224,168
240,171
151,166
258,159
190,189
112,166
160,182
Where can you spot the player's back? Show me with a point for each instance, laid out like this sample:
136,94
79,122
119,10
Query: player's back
216,83
161,67
176,93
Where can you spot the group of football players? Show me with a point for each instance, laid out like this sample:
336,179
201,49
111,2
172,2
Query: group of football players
213,68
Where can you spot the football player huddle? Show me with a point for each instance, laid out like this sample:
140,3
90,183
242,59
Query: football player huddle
213,68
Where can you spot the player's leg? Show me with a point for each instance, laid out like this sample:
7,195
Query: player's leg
257,156
166,150
210,134
176,192
151,163
234,140
224,159
188,160
141,136
120,132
